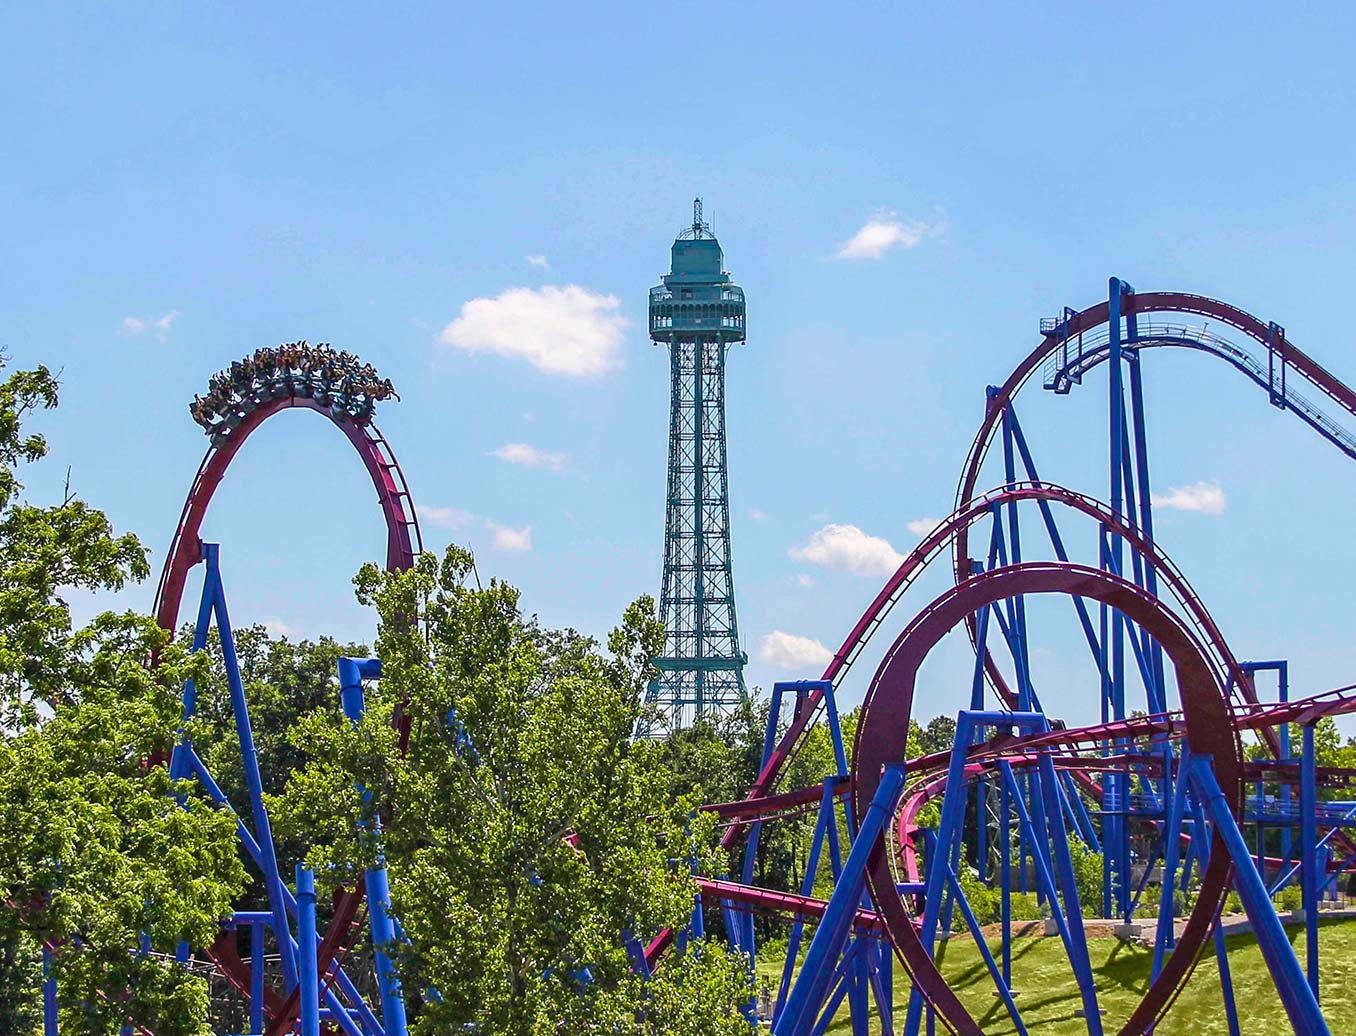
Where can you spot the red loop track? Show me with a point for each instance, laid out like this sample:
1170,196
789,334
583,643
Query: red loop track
403,541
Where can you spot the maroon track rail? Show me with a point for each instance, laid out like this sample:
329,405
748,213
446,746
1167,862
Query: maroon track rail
883,728
402,526
927,551
403,540
1133,304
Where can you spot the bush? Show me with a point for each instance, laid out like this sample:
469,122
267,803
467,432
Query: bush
984,901
1026,906
1291,898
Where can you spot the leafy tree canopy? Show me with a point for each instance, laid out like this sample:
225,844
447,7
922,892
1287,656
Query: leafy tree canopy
97,857
526,831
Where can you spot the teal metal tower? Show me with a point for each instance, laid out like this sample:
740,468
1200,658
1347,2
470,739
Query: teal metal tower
698,313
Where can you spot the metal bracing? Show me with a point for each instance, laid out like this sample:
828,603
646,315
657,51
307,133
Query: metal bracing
697,313
1165,797
303,959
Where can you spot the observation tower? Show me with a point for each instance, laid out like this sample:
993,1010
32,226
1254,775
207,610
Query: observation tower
698,313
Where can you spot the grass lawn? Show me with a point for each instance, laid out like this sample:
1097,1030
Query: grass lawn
1049,996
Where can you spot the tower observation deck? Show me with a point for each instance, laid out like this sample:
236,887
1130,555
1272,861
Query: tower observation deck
698,313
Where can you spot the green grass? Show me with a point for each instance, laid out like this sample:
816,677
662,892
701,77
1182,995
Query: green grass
1049,997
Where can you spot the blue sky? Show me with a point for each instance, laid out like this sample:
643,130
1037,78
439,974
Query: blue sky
183,184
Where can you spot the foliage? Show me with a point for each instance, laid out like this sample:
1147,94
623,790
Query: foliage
1290,898
95,853
526,833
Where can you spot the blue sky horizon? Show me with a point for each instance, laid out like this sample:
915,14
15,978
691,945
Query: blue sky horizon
477,201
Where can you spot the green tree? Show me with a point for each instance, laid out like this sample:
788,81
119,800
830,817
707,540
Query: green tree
95,852
521,851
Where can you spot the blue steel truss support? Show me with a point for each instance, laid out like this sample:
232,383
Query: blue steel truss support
1047,838
823,827
1281,668
352,673
1309,852
1115,831
49,994
307,944
1172,844
1298,998
213,606
801,692
257,933
256,837
977,933
864,971
1048,518
811,990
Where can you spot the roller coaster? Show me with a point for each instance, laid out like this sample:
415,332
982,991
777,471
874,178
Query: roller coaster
1185,757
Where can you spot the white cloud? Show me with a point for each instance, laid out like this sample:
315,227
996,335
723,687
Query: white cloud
445,517
921,527
136,325
502,537
538,260
847,547
278,628
884,232
513,541
800,579
530,456
162,324
757,514
1204,497
788,651
569,330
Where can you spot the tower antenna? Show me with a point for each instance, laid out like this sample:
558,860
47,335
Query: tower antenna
696,217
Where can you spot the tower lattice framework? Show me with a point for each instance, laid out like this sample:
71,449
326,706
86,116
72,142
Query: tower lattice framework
698,313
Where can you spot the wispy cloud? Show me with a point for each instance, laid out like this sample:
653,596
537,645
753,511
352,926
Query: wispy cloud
849,549
803,580
452,518
570,330
884,232
1202,497
921,527
512,541
531,456
757,514
462,523
789,651
162,324
139,325
538,260
278,628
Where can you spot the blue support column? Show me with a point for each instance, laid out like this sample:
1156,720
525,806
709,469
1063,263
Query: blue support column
1309,850
309,976
49,994
352,672
1115,846
811,988
1005,846
1301,1005
263,830
1172,841
1073,912
257,931
258,843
